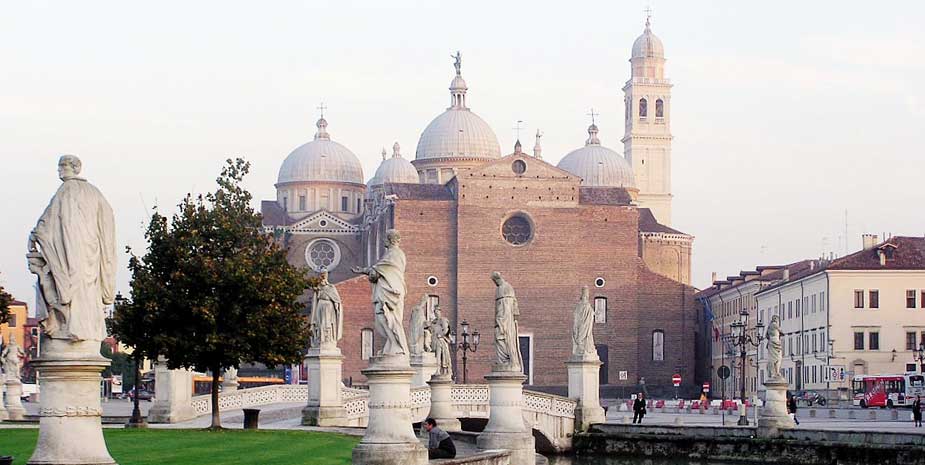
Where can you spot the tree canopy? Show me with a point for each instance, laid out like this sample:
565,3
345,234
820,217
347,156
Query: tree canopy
213,290
5,301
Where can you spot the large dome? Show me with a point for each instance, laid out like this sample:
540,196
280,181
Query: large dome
598,166
395,169
458,132
648,45
321,160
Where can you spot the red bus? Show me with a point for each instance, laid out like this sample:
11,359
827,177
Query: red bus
887,391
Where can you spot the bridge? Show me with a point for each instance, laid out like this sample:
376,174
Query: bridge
551,417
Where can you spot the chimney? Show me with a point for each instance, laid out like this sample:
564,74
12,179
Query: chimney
786,274
812,265
714,277
869,241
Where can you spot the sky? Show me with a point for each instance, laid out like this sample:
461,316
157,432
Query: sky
793,121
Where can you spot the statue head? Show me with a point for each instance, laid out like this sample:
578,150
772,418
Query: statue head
324,277
392,238
437,311
584,293
69,167
496,277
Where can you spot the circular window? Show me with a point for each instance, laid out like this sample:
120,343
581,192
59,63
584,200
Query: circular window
519,167
517,230
432,281
322,255
323,223
599,282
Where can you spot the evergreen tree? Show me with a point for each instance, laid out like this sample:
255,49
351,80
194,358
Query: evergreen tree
214,291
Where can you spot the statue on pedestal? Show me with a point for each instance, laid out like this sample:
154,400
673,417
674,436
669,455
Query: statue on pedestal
11,359
775,348
388,278
327,322
440,327
421,336
582,328
507,343
72,251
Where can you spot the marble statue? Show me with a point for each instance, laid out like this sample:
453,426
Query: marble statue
388,278
327,324
11,359
507,344
775,349
457,62
440,327
421,337
230,378
72,250
582,327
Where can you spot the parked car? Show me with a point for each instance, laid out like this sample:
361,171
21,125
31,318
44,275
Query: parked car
142,395
811,397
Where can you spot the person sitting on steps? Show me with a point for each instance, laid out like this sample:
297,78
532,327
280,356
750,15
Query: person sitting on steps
440,444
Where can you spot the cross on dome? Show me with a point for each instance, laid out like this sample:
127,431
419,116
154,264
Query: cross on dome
648,11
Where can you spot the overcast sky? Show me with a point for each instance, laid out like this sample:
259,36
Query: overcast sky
785,114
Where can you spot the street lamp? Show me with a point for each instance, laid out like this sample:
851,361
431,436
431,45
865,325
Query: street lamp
136,421
466,346
743,338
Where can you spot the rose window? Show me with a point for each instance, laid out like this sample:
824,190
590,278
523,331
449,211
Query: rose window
517,230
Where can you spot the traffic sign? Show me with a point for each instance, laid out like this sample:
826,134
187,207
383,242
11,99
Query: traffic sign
676,380
706,387
723,372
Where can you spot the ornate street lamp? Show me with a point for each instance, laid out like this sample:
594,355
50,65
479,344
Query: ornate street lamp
743,338
469,343
136,421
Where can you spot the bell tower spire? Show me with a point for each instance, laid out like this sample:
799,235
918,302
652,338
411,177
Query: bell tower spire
647,136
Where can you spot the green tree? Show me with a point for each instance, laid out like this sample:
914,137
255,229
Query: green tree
5,301
214,289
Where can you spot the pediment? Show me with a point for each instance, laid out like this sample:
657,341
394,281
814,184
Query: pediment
325,222
533,168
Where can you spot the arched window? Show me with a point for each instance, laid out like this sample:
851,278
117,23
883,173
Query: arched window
366,343
659,108
658,345
643,108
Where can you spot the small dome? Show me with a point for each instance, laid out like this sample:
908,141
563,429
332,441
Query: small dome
395,169
598,166
648,45
321,160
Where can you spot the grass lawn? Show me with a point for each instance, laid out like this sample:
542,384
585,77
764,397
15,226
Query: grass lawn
199,447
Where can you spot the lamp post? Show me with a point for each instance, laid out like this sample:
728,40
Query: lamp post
742,337
828,360
466,346
919,357
136,421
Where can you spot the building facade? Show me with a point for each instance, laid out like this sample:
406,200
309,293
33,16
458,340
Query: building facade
464,210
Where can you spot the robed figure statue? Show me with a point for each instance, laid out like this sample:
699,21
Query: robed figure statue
507,343
11,359
582,328
327,315
440,327
388,278
420,329
775,348
73,251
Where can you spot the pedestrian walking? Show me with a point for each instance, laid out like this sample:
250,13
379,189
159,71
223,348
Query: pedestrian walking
792,408
639,408
917,411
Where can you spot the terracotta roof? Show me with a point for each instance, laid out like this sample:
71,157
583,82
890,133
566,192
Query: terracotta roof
648,223
419,191
796,270
273,214
604,196
908,253
19,303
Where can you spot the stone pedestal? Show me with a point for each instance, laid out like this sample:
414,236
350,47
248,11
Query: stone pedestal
441,403
70,430
173,391
506,428
3,414
325,397
14,408
584,385
229,383
774,414
389,438
424,366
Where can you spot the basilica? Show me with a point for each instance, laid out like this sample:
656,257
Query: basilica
465,209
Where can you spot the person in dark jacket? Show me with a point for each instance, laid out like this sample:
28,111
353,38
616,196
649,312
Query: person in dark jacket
440,444
639,408
792,408
917,411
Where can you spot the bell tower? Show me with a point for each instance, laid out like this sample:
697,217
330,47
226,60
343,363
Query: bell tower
647,138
